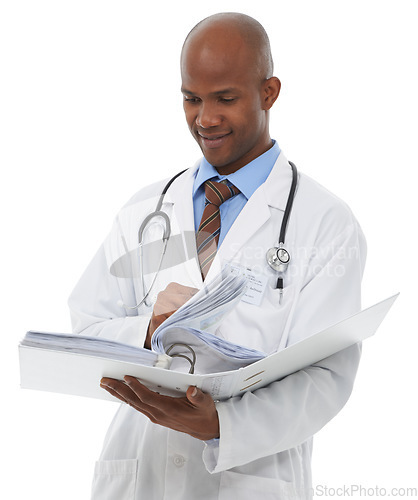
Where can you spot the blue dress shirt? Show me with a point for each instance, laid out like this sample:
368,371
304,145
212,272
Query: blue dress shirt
247,179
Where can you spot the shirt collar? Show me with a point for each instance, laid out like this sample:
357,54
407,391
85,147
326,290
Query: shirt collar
247,179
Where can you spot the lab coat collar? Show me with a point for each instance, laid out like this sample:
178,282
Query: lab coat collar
277,186
177,193
272,194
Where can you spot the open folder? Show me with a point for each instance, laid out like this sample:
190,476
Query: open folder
78,371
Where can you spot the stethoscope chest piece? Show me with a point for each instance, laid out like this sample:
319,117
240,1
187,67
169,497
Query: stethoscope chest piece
278,258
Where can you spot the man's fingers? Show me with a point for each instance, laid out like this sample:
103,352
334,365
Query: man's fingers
157,319
119,389
198,398
167,303
146,396
174,287
134,393
173,297
194,414
110,390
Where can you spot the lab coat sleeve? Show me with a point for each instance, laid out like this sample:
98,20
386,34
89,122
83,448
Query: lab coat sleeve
95,303
286,413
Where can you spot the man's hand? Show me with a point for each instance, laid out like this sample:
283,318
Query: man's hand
194,414
168,301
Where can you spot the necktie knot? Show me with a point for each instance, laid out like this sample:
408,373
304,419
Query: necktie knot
218,192
207,236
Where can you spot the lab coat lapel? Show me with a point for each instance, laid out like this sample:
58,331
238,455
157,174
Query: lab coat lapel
254,214
278,183
180,197
257,211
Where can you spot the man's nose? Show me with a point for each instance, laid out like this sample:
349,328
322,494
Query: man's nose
208,116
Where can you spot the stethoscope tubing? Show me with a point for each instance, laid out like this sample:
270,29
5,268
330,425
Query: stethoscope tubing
167,229
289,204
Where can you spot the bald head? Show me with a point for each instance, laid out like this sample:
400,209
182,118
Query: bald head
236,34
228,89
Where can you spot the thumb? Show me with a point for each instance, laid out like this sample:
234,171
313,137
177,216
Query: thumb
196,396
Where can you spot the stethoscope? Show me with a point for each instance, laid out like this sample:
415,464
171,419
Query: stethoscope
278,258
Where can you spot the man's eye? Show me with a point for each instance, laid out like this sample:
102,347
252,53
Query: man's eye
227,100
191,100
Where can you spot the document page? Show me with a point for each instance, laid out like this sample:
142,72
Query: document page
189,330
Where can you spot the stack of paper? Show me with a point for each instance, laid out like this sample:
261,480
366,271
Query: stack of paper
185,332
95,346
74,364
189,328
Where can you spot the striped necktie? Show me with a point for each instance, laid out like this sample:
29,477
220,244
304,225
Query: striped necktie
207,236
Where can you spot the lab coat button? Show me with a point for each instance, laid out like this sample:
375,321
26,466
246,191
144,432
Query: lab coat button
178,460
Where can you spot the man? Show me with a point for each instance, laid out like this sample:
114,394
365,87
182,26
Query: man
259,445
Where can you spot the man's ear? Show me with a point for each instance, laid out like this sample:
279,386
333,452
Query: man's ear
271,91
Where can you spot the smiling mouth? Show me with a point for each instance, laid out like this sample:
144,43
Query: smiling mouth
214,141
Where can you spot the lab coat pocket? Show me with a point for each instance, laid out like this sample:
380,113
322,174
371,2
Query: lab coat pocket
281,299
114,479
247,487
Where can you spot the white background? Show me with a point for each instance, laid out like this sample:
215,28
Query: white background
91,111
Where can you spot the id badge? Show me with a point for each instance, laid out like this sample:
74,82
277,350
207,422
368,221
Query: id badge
257,284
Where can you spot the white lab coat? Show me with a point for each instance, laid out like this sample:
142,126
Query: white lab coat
265,444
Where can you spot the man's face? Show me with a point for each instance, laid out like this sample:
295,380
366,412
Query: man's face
223,103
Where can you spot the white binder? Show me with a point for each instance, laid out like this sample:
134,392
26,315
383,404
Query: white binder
80,374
